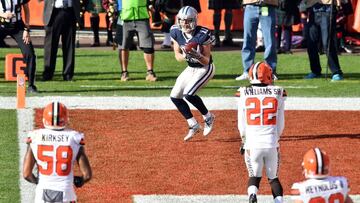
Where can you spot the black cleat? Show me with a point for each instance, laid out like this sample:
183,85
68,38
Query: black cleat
32,89
252,198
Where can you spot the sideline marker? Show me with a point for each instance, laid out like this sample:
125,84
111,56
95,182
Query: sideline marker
20,91
14,64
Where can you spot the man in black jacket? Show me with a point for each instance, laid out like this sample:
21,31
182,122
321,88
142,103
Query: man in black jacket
60,18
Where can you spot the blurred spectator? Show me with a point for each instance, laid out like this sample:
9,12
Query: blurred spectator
255,12
94,7
110,7
341,20
60,18
2,41
287,16
169,9
218,6
11,23
135,18
303,21
320,16
193,3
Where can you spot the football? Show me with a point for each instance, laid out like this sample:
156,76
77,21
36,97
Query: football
192,45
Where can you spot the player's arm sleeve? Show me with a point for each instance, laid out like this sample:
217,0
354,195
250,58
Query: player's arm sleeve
79,138
208,38
241,118
281,114
173,32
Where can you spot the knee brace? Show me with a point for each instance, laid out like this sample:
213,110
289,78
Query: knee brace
254,181
148,50
276,187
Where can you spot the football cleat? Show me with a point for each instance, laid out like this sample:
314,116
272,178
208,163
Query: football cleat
244,76
124,76
193,130
252,198
209,123
150,76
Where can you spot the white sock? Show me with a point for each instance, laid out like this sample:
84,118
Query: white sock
191,121
252,189
167,39
278,199
206,115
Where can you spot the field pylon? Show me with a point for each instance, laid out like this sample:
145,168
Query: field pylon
20,91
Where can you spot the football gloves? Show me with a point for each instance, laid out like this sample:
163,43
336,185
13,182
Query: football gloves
78,181
242,150
193,56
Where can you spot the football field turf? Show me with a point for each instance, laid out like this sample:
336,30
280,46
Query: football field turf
27,119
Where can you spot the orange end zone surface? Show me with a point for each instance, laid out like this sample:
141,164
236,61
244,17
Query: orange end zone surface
143,152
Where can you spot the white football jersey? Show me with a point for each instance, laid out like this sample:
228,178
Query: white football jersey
328,190
55,152
261,115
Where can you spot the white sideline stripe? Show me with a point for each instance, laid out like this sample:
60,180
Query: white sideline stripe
210,198
169,87
25,120
164,103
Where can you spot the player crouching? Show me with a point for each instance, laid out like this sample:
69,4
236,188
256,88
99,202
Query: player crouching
319,186
54,149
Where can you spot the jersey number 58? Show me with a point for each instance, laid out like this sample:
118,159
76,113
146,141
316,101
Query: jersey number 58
62,157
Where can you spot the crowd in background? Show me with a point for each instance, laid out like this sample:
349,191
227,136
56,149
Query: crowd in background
281,15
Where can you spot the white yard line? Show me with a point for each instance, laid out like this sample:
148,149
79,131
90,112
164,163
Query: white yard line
210,198
164,103
25,119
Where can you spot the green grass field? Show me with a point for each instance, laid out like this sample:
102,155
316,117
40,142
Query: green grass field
97,73
9,157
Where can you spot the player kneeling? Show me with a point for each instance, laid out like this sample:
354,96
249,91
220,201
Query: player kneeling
55,149
319,186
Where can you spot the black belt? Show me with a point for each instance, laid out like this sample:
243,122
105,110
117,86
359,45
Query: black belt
63,9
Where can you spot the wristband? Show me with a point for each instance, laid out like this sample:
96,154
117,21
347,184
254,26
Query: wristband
26,29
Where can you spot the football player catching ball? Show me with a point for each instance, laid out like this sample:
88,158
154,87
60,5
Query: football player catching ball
192,43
